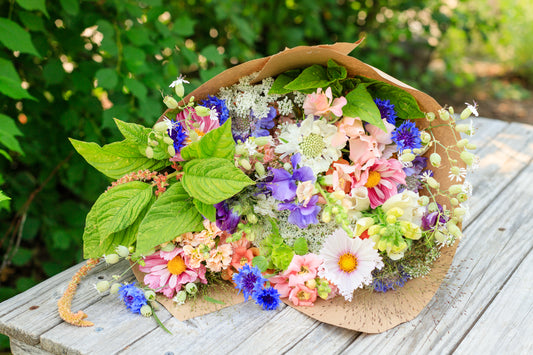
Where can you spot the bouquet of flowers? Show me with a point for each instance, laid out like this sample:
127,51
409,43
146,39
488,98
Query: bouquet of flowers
307,177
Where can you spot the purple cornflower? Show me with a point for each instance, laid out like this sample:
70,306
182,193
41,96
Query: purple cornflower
283,185
178,135
387,110
264,124
133,297
268,298
219,105
430,220
248,280
227,218
302,215
407,136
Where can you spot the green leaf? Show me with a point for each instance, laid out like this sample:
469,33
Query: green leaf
15,38
119,207
404,103
53,72
335,71
22,257
71,7
116,159
8,133
107,78
261,262
282,256
184,26
360,104
136,88
138,36
91,236
108,42
312,77
208,211
61,239
32,21
135,59
300,246
278,87
212,300
171,215
217,143
10,83
138,134
34,5
211,53
213,180
3,197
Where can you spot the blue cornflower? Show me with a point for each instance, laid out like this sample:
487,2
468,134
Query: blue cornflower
248,279
219,105
387,110
407,136
177,134
268,298
264,124
133,297
392,282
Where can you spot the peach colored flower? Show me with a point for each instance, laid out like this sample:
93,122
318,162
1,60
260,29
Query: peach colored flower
195,255
364,151
322,104
349,127
383,138
301,295
303,268
219,258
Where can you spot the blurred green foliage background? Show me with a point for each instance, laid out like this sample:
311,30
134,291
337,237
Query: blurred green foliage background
68,67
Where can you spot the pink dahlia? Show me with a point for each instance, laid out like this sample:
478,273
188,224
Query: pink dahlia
381,179
166,272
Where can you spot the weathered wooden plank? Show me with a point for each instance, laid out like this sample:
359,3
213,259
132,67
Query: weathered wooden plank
506,327
496,242
486,130
28,315
20,348
219,332
324,339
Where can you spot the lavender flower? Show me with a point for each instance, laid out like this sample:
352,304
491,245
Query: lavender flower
430,220
283,185
302,215
264,124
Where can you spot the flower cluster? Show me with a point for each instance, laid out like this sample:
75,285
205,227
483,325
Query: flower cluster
306,186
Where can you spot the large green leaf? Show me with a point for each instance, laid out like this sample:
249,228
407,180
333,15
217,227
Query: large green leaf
217,143
360,104
138,134
8,133
335,71
206,210
116,159
10,83
120,206
3,197
213,180
15,38
91,236
312,77
34,5
172,214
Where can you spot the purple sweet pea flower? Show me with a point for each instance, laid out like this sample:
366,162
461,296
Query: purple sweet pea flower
227,218
264,124
302,215
283,185
429,220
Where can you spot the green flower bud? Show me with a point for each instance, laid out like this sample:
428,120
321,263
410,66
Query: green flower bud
430,116
260,169
326,216
471,146
168,140
150,295
454,201
405,157
245,163
102,286
153,143
423,200
432,207
202,111
462,143
466,113
391,219
146,310
467,157
444,115
180,297
170,102
433,183
240,149
454,230
179,89
425,137
122,251
435,159
455,189
451,110
160,127
114,288
171,151
462,197
252,218
191,288
149,152
111,258
261,141
464,128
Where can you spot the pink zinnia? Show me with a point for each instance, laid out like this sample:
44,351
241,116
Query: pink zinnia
321,104
166,272
381,179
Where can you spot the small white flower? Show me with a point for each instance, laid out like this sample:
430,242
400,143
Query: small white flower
180,80
213,115
425,176
473,108
251,146
457,173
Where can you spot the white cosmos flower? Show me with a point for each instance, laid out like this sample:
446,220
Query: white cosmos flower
313,140
348,263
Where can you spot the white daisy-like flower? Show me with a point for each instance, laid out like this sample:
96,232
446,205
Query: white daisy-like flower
180,80
313,140
467,188
348,263
472,108
425,176
213,114
457,173
251,146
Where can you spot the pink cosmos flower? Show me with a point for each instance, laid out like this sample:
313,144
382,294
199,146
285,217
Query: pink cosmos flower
322,104
167,272
381,180
301,295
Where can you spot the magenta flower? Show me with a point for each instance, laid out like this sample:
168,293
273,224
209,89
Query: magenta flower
382,180
167,272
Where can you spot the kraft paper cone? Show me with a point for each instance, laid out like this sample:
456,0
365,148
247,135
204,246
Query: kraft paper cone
370,312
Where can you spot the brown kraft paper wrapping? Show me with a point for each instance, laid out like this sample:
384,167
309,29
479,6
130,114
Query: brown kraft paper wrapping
369,312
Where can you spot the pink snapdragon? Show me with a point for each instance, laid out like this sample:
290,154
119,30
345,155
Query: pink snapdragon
322,104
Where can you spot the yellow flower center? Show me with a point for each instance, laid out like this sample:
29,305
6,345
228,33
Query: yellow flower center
302,295
176,266
312,145
303,270
347,262
373,179
244,261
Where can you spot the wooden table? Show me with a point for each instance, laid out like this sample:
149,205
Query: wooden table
484,305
